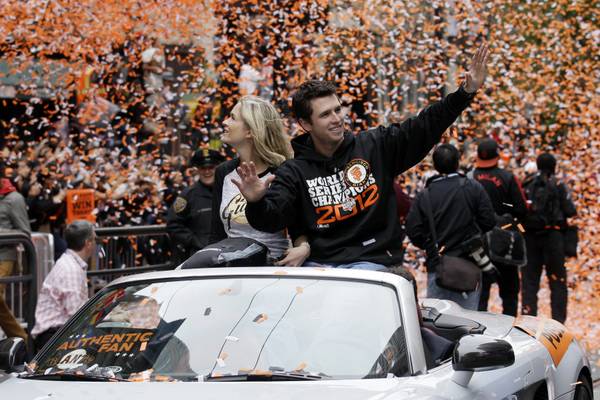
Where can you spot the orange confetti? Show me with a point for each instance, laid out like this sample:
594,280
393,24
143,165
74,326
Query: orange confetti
260,318
300,367
541,93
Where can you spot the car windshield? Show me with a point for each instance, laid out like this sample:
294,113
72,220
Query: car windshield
202,329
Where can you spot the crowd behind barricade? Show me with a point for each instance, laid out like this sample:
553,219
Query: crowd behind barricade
129,189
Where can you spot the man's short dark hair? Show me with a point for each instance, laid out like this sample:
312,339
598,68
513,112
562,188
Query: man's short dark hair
77,233
308,91
546,163
445,159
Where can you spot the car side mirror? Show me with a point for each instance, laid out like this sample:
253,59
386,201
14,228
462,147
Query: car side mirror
13,352
475,353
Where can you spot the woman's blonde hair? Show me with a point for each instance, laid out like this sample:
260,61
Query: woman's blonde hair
266,127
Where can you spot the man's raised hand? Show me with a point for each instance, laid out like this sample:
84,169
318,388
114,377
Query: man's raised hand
250,185
477,72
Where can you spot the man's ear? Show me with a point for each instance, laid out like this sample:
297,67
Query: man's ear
304,124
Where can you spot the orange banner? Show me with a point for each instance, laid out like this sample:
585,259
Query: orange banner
80,205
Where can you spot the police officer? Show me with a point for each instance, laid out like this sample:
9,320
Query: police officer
508,200
188,219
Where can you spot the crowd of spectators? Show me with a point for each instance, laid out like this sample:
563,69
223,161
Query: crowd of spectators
136,178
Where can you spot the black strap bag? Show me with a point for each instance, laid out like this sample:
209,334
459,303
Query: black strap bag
506,246
453,273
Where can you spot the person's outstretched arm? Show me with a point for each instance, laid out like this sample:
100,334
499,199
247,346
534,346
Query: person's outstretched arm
406,144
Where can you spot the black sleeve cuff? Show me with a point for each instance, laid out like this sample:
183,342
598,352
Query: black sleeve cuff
461,90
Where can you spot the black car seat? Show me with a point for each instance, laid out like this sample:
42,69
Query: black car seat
451,327
441,332
437,348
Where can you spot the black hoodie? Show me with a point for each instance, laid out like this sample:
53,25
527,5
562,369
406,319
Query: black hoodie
345,204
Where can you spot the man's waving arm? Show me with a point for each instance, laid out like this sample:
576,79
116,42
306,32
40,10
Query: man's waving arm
406,144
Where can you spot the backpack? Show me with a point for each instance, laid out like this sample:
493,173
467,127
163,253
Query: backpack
544,197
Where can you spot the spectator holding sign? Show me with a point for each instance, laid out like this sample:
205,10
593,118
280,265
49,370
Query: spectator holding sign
80,204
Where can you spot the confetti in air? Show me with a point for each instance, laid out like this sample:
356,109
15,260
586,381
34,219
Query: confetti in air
114,96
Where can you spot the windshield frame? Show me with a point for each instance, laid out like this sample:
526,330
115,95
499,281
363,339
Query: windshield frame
151,280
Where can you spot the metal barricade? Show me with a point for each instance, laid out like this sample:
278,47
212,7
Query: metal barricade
121,251
130,249
44,254
126,250
21,288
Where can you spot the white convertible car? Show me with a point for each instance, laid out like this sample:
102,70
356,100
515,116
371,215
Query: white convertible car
296,333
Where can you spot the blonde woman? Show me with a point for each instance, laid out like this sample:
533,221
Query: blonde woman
255,130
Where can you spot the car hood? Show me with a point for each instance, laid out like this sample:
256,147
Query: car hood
394,388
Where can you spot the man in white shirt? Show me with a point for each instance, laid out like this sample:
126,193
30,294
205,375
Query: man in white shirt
65,288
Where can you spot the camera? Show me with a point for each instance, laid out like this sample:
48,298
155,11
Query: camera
475,248
482,260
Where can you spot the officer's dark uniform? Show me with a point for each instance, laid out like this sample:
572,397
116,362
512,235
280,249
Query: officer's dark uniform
508,200
188,219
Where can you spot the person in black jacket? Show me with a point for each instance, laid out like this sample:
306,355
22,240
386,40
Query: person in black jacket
550,206
338,189
508,200
188,218
462,212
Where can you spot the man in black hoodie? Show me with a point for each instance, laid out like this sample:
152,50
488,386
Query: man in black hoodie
338,190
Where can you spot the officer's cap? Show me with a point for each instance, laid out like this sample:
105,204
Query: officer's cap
206,157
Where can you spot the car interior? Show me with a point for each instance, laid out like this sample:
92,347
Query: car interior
441,332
